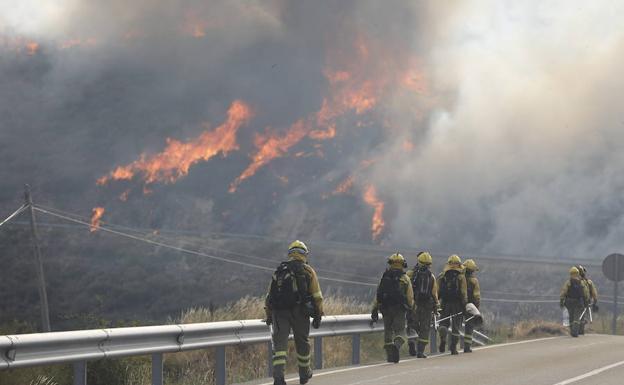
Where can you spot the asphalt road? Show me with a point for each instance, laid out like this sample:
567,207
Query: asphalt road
591,359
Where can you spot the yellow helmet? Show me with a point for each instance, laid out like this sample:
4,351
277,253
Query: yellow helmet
574,271
298,248
424,258
454,260
470,265
397,260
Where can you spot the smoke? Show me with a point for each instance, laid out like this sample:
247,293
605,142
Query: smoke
481,127
523,158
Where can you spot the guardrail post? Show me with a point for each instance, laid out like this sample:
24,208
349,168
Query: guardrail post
355,350
270,359
220,368
433,337
318,352
80,373
157,369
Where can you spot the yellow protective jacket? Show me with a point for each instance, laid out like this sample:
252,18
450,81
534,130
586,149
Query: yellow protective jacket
434,290
406,290
474,289
463,286
314,288
566,288
593,292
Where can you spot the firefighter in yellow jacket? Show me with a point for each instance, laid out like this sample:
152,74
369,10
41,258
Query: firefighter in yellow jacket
593,297
425,288
474,297
293,298
574,296
394,299
453,294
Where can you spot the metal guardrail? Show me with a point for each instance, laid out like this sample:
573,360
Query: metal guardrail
78,347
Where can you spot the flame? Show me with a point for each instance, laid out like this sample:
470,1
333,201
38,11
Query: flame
323,134
350,91
408,145
32,48
95,218
177,158
377,223
19,44
270,146
77,42
344,186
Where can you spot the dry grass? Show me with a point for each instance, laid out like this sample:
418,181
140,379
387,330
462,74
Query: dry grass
537,329
249,362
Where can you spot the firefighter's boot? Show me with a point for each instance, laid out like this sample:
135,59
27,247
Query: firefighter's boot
421,350
304,375
454,341
279,381
467,348
442,347
412,348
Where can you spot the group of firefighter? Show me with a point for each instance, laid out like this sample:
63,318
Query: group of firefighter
410,302
418,300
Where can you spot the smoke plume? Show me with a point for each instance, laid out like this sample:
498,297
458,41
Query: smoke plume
477,127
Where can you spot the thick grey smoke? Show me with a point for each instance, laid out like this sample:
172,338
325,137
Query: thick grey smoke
495,126
525,157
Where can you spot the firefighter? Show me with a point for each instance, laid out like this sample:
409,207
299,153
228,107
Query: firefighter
574,296
394,299
425,288
294,296
593,297
453,294
474,297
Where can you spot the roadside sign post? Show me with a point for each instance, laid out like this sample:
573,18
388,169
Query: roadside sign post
613,269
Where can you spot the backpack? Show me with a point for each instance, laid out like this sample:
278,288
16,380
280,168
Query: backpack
422,283
389,292
449,287
289,286
575,291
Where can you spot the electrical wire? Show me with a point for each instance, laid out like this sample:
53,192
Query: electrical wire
16,213
72,218
150,232
184,250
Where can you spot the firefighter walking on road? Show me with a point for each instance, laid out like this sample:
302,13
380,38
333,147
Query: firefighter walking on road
474,297
593,297
394,299
425,288
293,298
453,294
574,296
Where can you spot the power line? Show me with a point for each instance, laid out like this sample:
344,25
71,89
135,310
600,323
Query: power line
84,219
16,213
184,250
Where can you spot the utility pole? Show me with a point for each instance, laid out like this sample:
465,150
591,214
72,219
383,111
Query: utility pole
43,295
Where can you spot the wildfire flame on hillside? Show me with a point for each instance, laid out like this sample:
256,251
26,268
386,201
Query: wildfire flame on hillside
345,186
352,90
96,217
177,158
377,223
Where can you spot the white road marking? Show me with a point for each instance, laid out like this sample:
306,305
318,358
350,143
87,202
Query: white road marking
589,374
411,359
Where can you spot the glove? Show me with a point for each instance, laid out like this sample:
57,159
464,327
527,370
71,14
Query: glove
562,303
375,315
316,322
595,307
